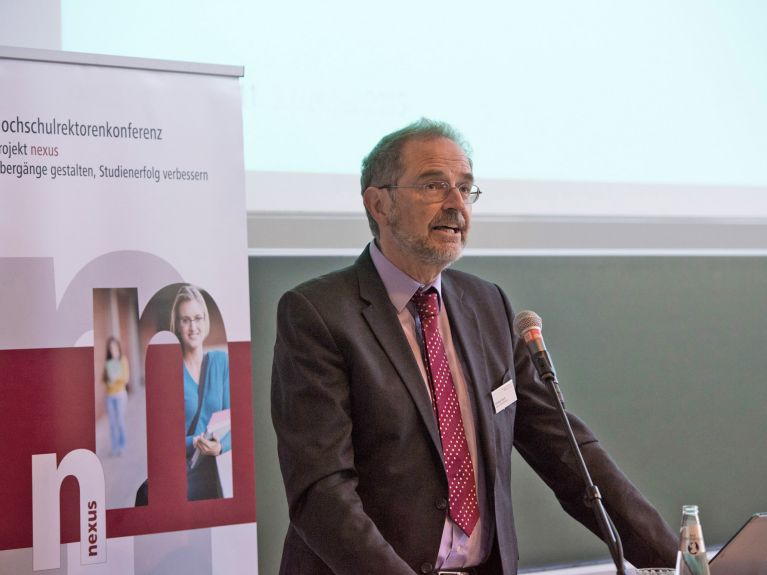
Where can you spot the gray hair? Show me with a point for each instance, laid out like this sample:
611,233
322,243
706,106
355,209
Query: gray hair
383,165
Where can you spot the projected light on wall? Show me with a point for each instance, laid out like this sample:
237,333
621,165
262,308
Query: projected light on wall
637,92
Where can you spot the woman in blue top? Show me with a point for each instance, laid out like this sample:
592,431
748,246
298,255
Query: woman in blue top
206,391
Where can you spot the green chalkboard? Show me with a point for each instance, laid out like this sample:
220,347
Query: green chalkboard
664,357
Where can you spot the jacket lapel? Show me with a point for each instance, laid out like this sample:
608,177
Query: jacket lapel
382,319
467,338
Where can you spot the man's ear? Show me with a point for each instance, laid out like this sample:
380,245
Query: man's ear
377,202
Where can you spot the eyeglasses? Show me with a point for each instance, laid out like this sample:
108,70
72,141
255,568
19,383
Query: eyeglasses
438,191
197,320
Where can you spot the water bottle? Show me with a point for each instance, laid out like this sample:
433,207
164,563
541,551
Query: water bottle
691,558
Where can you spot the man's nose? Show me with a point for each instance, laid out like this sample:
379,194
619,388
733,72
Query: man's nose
454,198
456,201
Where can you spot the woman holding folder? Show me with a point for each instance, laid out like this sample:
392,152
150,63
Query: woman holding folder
206,392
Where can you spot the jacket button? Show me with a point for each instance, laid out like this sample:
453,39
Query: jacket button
441,503
427,567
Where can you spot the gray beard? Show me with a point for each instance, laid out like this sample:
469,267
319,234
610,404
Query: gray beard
420,247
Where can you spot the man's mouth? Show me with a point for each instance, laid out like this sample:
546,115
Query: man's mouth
454,229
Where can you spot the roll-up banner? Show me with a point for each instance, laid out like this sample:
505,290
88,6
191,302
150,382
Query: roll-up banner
125,387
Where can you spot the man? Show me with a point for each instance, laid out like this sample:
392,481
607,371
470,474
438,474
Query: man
393,455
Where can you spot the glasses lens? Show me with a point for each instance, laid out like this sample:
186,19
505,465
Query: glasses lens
437,188
473,195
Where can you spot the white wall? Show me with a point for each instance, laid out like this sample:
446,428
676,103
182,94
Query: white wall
30,24
633,129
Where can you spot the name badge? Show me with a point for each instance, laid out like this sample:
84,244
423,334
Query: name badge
504,396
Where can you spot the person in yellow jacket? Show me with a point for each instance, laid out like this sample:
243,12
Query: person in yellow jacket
116,377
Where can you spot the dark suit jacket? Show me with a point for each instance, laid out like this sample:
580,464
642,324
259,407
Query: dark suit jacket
359,446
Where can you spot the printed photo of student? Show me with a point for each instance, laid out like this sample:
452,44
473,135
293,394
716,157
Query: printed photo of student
116,376
119,394
206,394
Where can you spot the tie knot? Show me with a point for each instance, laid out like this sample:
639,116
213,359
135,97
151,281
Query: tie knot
426,302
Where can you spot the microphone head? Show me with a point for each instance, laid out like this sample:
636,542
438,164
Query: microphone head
526,320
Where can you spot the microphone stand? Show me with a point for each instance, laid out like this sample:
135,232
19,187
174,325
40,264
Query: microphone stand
592,496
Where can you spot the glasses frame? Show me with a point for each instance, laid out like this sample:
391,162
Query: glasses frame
197,320
470,198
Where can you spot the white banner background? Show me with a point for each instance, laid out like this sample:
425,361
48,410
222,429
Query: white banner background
64,236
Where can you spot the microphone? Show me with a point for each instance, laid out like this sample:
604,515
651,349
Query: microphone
528,326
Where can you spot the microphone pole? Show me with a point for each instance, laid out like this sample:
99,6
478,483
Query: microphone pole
528,325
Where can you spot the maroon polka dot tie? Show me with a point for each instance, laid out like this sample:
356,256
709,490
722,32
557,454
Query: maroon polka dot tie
462,490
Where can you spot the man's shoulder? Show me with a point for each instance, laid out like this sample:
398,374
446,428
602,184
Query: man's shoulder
334,297
340,279
467,281
331,294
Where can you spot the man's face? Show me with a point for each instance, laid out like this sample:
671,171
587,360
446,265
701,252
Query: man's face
419,235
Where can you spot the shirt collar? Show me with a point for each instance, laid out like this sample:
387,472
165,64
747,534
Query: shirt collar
399,286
